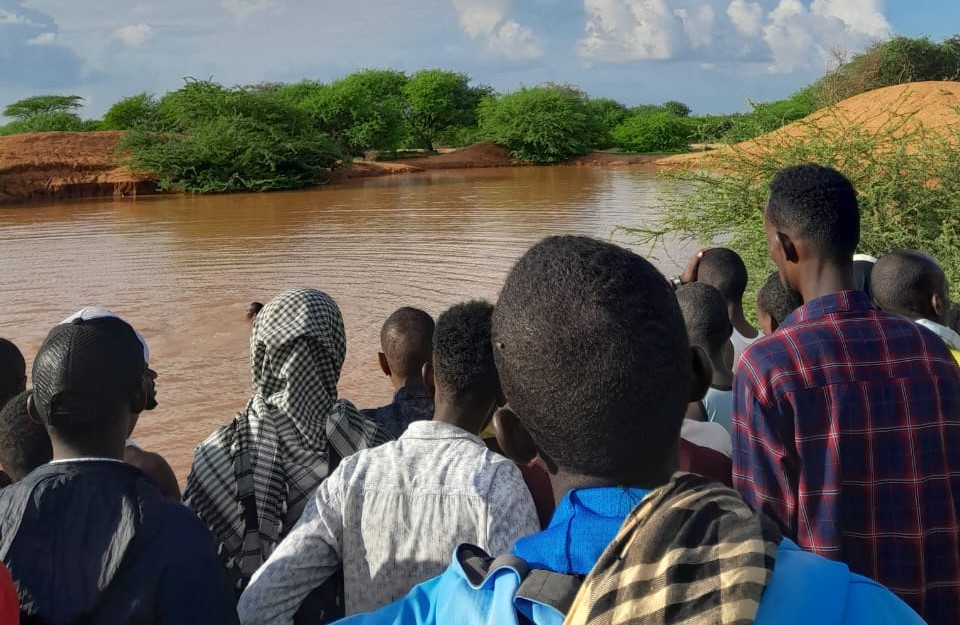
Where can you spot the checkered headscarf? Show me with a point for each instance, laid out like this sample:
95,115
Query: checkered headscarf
691,552
250,480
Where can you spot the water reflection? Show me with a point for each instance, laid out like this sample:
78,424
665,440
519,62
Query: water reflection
182,269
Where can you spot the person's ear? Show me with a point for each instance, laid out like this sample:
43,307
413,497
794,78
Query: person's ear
384,365
940,307
512,437
32,410
428,380
702,374
788,246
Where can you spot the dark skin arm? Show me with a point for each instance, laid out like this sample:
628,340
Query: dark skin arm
156,467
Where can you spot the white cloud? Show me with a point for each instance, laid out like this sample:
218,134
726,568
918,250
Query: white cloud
43,39
630,30
747,17
11,18
488,20
794,35
134,35
243,10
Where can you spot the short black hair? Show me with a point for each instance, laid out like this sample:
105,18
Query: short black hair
724,270
24,443
705,314
904,281
254,309
819,204
13,371
777,300
463,352
593,356
406,339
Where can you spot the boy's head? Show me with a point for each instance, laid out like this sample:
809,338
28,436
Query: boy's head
89,383
723,269
812,217
595,362
912,284
463,371
406,341
24,443
705,314
774,302
13,371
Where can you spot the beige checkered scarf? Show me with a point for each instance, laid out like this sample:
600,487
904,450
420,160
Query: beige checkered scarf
691,553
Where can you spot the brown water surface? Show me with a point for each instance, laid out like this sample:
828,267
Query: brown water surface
183,269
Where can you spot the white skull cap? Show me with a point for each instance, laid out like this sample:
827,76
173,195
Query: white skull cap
96,312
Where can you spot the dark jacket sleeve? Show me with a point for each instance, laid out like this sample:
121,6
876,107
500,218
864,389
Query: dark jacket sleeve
194,587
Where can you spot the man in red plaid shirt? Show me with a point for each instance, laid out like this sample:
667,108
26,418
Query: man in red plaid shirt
846,420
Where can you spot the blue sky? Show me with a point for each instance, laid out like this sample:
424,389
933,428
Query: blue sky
712,54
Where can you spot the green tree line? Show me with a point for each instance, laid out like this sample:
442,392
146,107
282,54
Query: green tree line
206,137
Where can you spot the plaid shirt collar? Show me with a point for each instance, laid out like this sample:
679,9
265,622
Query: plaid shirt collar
842,301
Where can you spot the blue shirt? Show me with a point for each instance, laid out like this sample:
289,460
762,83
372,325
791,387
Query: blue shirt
408,406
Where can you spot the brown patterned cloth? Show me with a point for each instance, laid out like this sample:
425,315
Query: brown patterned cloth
691,553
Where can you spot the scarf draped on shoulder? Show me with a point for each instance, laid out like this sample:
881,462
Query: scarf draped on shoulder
691,552
250,480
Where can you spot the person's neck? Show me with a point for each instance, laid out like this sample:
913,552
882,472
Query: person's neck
409,382
739,321
722,377
821,278
563,482
64,451
468,419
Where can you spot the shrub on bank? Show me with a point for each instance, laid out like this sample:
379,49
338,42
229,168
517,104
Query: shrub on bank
129,113
545,124
657,132
206,138
905,174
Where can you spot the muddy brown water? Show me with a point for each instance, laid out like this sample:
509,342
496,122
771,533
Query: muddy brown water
183,269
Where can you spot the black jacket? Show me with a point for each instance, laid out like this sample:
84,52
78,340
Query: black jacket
96,542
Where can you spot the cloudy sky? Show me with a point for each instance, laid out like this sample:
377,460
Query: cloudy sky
712,54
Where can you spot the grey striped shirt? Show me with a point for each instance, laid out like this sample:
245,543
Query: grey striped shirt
393,516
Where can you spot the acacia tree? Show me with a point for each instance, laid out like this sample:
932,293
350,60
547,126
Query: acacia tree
43,105
438,100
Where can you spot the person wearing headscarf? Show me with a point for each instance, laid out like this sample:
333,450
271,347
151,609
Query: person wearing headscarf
251,479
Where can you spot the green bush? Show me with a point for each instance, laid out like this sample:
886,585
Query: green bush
607,114
768,116
659,132
906,179
458,136
545,124
677,108
712,128
206,138
129,113
57,121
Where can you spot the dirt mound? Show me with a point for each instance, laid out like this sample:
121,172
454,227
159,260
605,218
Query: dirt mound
476,155
900,109
65,165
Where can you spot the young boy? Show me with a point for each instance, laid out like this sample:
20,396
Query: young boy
24,444
406,344
392,515
595,362
724,270
774,303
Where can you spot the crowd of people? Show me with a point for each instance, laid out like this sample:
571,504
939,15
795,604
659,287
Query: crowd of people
603,445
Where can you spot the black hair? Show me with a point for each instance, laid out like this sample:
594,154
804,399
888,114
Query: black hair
254,310
723,269
819,204
777,300
593,357
407,340
705,314
24,443
13,371
463,352
904,281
